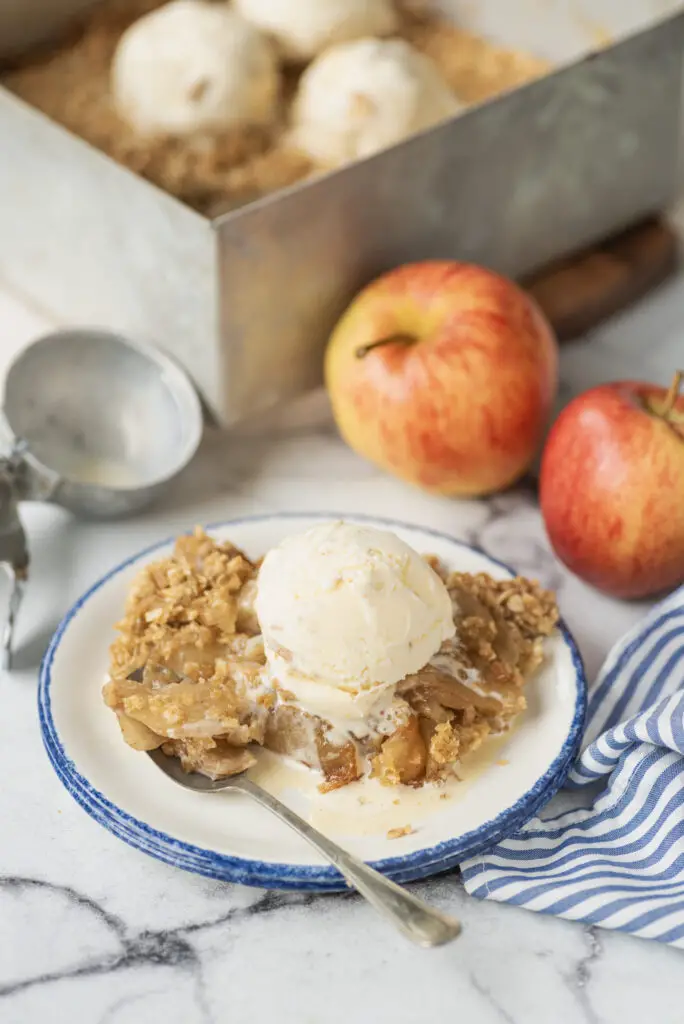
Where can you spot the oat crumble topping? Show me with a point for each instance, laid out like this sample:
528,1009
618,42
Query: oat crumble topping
189,624
403,830
70,83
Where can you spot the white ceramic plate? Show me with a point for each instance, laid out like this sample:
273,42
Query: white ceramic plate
226,836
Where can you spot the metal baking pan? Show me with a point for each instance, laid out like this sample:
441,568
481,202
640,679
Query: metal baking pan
245,301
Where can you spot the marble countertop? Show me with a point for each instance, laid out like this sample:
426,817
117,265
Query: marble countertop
94,932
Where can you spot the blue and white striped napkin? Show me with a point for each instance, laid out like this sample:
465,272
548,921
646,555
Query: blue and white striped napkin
617,858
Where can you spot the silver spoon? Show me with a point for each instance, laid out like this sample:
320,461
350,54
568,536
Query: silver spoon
418,921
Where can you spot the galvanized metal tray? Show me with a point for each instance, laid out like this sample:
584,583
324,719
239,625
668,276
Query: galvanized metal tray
245,301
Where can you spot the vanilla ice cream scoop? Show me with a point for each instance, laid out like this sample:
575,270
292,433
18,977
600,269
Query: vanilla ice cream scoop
358,98
303,28
193,67
350,607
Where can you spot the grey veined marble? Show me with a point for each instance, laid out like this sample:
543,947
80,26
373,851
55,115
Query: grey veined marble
93,932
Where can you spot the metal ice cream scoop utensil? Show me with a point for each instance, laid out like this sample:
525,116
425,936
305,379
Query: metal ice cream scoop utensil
13,560
91,421
419,922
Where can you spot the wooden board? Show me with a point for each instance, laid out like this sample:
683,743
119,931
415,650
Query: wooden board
581,291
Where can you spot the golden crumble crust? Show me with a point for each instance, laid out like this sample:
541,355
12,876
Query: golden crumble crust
70,83
475,68
188,611
502,624
400,832
189,625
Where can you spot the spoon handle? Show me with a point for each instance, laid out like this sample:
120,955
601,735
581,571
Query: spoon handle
419,922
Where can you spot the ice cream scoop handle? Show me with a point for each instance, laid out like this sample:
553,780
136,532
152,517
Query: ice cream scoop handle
418,921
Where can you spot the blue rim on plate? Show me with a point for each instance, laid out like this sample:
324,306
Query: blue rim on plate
267,874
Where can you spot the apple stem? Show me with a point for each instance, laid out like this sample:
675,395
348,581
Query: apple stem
673,394
392,339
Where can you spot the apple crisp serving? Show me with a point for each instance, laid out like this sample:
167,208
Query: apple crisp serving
204,695
70,82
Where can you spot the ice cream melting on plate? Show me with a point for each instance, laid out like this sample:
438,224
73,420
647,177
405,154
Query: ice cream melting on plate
347,612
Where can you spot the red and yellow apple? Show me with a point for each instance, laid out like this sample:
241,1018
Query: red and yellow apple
443,374
612,487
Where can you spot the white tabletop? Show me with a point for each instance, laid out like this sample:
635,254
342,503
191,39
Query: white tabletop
92,931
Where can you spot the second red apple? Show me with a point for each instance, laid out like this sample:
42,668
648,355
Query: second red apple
612,487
